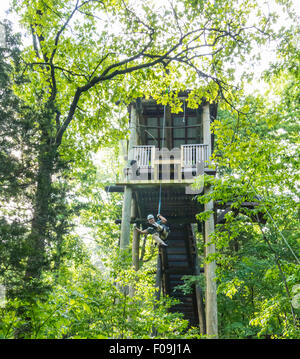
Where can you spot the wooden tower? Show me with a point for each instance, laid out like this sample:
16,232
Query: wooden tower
155,177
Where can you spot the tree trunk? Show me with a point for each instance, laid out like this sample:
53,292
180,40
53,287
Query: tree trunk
39,228
32,285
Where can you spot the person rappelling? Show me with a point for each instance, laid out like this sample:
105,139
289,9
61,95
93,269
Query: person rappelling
157,229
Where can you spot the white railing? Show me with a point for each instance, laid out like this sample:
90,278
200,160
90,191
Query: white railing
191,154
144,155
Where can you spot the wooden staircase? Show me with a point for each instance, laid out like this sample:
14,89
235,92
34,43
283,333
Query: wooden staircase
178,260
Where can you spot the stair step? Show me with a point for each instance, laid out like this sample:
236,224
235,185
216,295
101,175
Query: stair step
177,257
177,235
176,243
180,271
176,250
178,264
178,294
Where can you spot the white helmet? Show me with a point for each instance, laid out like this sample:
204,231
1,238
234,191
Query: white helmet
150,216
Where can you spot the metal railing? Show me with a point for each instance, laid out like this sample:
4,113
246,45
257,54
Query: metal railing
191,154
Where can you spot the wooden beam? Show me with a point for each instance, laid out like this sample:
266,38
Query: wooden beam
126,210
135,238
114,188
198,290
210,275
135,250
206,128
158,276
210,250
126,216
168,130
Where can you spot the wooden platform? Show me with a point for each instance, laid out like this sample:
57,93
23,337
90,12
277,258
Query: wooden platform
167,182
176,205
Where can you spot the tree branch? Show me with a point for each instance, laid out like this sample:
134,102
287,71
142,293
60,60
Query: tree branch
61,31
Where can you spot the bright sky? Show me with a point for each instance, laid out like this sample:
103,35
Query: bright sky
267,54
4,6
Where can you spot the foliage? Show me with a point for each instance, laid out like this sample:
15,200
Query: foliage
258,247
16,166
90,303
64,98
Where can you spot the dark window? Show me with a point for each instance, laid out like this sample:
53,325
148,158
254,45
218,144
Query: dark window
154,131
186,128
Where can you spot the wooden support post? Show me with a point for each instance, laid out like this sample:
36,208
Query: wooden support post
133,211
135,255
126,214
198,289
135,237
200,309
209,227
210,276
158,276
206,128
168,130
135,250
126,210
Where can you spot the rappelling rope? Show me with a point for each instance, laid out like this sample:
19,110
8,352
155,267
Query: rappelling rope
162,146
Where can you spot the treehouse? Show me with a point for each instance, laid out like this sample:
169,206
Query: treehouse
166,147
165,153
